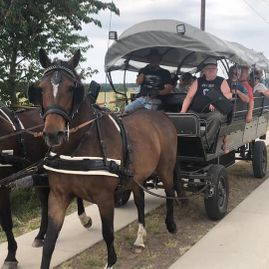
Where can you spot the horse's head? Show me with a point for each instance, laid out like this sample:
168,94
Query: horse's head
59,93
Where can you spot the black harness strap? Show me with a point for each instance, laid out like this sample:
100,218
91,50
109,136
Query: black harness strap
84,165
125,146
101,142
21,161
122,170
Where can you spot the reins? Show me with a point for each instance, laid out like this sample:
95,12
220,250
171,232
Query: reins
75,129
39,134
169,197
29,130
29,170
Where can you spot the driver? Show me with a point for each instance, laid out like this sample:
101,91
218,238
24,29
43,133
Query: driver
154,82
199,103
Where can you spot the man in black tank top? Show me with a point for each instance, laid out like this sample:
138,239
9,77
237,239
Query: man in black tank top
198,102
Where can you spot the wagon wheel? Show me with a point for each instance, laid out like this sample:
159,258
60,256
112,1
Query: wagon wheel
216,205
259,159
121,197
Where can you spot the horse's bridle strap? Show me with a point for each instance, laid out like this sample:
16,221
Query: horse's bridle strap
59,67
54,109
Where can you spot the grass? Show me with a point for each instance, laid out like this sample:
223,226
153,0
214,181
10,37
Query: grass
26,212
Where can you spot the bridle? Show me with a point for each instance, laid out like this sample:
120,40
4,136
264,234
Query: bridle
56,79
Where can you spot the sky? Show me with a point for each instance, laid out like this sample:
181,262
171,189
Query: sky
242,21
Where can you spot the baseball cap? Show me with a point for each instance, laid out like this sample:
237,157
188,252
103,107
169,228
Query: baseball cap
210,61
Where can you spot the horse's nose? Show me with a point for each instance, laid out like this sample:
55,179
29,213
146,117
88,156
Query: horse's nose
54,138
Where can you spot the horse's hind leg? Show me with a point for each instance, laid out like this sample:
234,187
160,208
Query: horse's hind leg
84,219
106,208
139,198
58,204
169,220
178,185
168,182
43,195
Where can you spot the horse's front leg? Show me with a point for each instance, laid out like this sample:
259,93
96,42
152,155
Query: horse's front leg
106,208
7,225
139,198
10,261
85,220
57,206
43,195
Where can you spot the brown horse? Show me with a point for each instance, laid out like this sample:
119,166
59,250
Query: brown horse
16,152
95,143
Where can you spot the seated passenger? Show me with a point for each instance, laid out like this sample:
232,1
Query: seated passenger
185,82
235,85
258,86
196,98
174,79
244,76
154,82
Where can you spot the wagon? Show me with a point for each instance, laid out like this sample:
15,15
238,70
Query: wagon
184,48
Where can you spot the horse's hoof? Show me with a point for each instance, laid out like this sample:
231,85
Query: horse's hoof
10,265
171,227
108,267
38,243
85,220
88,225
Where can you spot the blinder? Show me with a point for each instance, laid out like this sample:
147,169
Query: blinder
35,95
78,96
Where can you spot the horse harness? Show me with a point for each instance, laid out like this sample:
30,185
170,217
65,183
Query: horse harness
86,165
7,157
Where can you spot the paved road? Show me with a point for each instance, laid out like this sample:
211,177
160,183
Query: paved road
74,238
238,241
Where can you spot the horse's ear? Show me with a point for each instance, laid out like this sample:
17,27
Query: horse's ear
73,62
44,59
35,95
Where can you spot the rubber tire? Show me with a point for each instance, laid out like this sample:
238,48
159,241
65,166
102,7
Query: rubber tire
216,206
121,197
259,159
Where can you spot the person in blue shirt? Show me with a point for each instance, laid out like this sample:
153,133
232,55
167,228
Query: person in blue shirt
235,85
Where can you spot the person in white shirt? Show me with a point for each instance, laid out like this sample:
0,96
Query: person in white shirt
258,86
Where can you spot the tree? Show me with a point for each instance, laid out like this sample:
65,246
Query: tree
27,25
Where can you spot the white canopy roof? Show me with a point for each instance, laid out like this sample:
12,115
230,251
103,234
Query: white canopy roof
178,49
